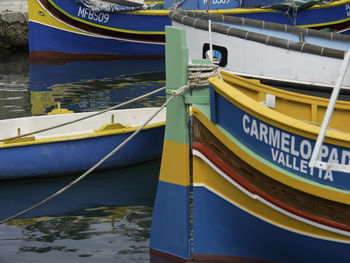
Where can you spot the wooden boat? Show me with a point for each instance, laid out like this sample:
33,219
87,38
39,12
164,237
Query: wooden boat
78,146
256,197
276,54
87,29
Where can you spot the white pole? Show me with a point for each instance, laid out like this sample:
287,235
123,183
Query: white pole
210,44
314,157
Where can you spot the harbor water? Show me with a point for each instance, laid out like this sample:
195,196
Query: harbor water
107,216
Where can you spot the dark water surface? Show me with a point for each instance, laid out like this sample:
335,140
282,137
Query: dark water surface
107,216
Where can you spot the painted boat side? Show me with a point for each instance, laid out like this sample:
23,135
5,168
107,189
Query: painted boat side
76,147
77,156
236,170
231,223
236,218
51,36
258,59
291,149
67,26
221,228
49,39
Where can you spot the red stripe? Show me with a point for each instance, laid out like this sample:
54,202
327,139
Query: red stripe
251,188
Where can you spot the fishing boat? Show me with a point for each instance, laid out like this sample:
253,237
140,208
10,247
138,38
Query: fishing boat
276,54
93,29
254,181
63,142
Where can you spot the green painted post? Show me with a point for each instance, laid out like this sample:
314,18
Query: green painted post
176,66
170,229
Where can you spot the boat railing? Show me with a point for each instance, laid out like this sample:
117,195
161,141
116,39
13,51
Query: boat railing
315,160
223,25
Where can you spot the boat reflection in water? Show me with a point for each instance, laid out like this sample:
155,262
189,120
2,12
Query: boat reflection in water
35,89
90,86
106,216
129,186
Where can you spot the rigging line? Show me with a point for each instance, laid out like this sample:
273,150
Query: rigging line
83,118
20,11
97,164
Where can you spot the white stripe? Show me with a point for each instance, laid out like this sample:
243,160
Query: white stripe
259,198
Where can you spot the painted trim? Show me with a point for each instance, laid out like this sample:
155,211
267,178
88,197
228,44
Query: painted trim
175,163
277,119
83,136
156,37
270,169
231,176
260,210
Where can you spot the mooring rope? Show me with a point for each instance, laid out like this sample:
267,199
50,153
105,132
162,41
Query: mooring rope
198,74
85,117
182,89
195,74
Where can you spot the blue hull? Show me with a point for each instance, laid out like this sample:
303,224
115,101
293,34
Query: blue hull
221,228
77,156
45,38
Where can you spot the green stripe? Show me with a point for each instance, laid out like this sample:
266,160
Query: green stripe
176,76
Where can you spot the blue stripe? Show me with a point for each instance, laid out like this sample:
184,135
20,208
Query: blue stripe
223,229
79,155
170,230
44,38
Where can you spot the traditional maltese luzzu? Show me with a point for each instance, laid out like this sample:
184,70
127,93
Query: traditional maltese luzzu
239,181
91,29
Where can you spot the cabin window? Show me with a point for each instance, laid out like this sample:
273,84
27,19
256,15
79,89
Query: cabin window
219,54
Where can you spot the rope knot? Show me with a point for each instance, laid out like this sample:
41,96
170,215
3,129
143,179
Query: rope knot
198,74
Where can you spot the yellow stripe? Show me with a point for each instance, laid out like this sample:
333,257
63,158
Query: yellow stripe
175,163
284,177
33,14
78,136
277,119
204,174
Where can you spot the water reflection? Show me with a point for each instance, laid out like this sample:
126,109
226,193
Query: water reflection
131,186
14,85
121,237
90,86
105,217
78,86
99,94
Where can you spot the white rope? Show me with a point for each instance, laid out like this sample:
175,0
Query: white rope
96,165
198,74
83,118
